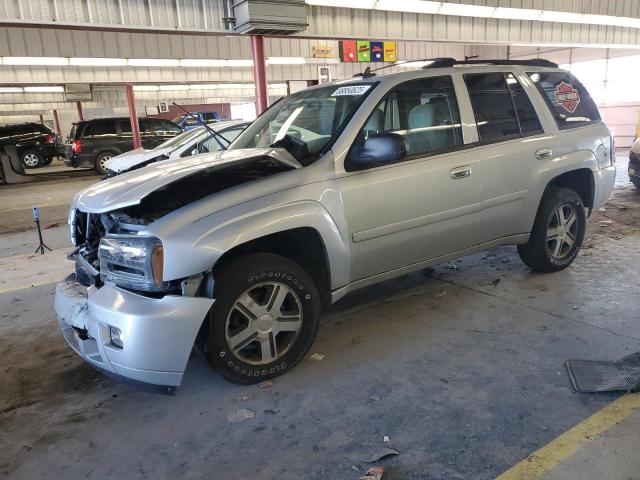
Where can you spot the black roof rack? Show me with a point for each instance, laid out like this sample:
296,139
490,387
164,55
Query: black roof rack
450,62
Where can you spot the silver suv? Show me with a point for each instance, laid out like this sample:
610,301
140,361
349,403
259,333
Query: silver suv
332,189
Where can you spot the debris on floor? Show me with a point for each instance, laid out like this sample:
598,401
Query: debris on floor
381,453
265,384
374,473
452,266
492,282
385,439
440,294
240,415
317,357
50,225
242,398
591,376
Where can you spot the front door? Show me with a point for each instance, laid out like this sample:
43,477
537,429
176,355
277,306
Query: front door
425,206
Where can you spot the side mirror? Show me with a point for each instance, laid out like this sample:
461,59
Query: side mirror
378,149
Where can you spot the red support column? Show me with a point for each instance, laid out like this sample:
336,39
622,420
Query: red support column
133,116
56,122
79,108
259,72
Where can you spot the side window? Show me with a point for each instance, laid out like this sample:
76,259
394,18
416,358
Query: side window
527,116
125,127
99,129
570,103
209,145
424,111
164,128
232,133
146,127
493,107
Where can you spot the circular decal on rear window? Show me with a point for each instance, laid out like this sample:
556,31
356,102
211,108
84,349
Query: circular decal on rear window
567,96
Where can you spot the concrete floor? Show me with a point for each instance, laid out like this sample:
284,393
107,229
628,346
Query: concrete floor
465,375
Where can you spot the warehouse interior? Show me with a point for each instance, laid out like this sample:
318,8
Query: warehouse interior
453,370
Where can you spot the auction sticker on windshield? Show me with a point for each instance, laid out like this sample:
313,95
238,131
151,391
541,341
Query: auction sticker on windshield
354,90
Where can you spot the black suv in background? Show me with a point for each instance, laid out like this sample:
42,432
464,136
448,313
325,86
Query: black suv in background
93,142
35,143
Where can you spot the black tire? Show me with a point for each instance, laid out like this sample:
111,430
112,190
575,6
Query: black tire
31,159
100,159
253,273
635,181
536,253
47,161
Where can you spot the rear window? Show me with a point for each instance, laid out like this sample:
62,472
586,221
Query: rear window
98,129
570,103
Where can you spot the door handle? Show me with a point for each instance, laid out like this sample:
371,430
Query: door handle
544,154
460,172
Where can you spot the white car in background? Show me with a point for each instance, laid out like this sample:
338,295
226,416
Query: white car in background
192,142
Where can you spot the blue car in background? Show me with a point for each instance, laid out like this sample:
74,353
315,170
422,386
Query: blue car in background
187,122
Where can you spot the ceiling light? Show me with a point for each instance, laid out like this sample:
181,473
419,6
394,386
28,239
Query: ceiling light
11,90
153,62
285,61
146,88
516,13
235,85
202,62
344,3
45,89
174,87
240,63
203,86
97,62
36,61
415,6
464,10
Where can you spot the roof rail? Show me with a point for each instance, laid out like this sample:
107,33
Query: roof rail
450,62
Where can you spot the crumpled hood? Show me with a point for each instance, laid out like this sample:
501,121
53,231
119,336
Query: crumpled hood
125,161
130,188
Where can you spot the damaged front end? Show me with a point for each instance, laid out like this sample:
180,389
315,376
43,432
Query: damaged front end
120,311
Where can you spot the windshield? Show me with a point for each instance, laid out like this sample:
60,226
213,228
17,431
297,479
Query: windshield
179,140
305,122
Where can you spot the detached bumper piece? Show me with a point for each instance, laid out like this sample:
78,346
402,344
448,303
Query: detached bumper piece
154,335
588,376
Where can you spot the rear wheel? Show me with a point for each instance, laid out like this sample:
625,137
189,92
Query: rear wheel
264,319
47,161
635,181
31,159
101,161
557,232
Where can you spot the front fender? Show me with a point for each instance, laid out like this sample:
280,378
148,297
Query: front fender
215,236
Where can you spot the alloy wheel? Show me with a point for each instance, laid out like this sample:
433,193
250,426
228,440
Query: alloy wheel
31,160
263,323
103,162
562,231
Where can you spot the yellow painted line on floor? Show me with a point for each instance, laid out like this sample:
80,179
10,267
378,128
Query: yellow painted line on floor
548,457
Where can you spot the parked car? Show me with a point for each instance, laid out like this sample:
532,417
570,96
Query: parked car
634,164
188,122
93,142
35,143
332,189
193,142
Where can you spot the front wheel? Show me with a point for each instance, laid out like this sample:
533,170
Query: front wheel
557,232
635,181
264,319
31,159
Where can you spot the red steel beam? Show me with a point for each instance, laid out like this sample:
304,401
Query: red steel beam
41,119
133,116
79,108
56,122
259,72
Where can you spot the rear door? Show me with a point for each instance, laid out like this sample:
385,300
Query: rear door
510,133
100,136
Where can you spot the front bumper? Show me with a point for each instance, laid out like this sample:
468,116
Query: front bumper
157,333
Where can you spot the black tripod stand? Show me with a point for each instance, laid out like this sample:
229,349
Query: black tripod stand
36,219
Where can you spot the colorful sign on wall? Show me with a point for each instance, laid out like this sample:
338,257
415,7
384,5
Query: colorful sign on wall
366,51
363,51
348,51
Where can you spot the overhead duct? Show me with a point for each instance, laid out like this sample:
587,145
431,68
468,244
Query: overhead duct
269,17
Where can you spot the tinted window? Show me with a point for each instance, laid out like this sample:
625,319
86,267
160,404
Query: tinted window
424,111
97,129
29,129
527,116
232,133
570,102
492,106
125,126
164,128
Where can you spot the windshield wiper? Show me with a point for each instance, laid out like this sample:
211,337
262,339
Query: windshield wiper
215,134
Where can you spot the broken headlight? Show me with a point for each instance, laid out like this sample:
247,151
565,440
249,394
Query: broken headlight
131,261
